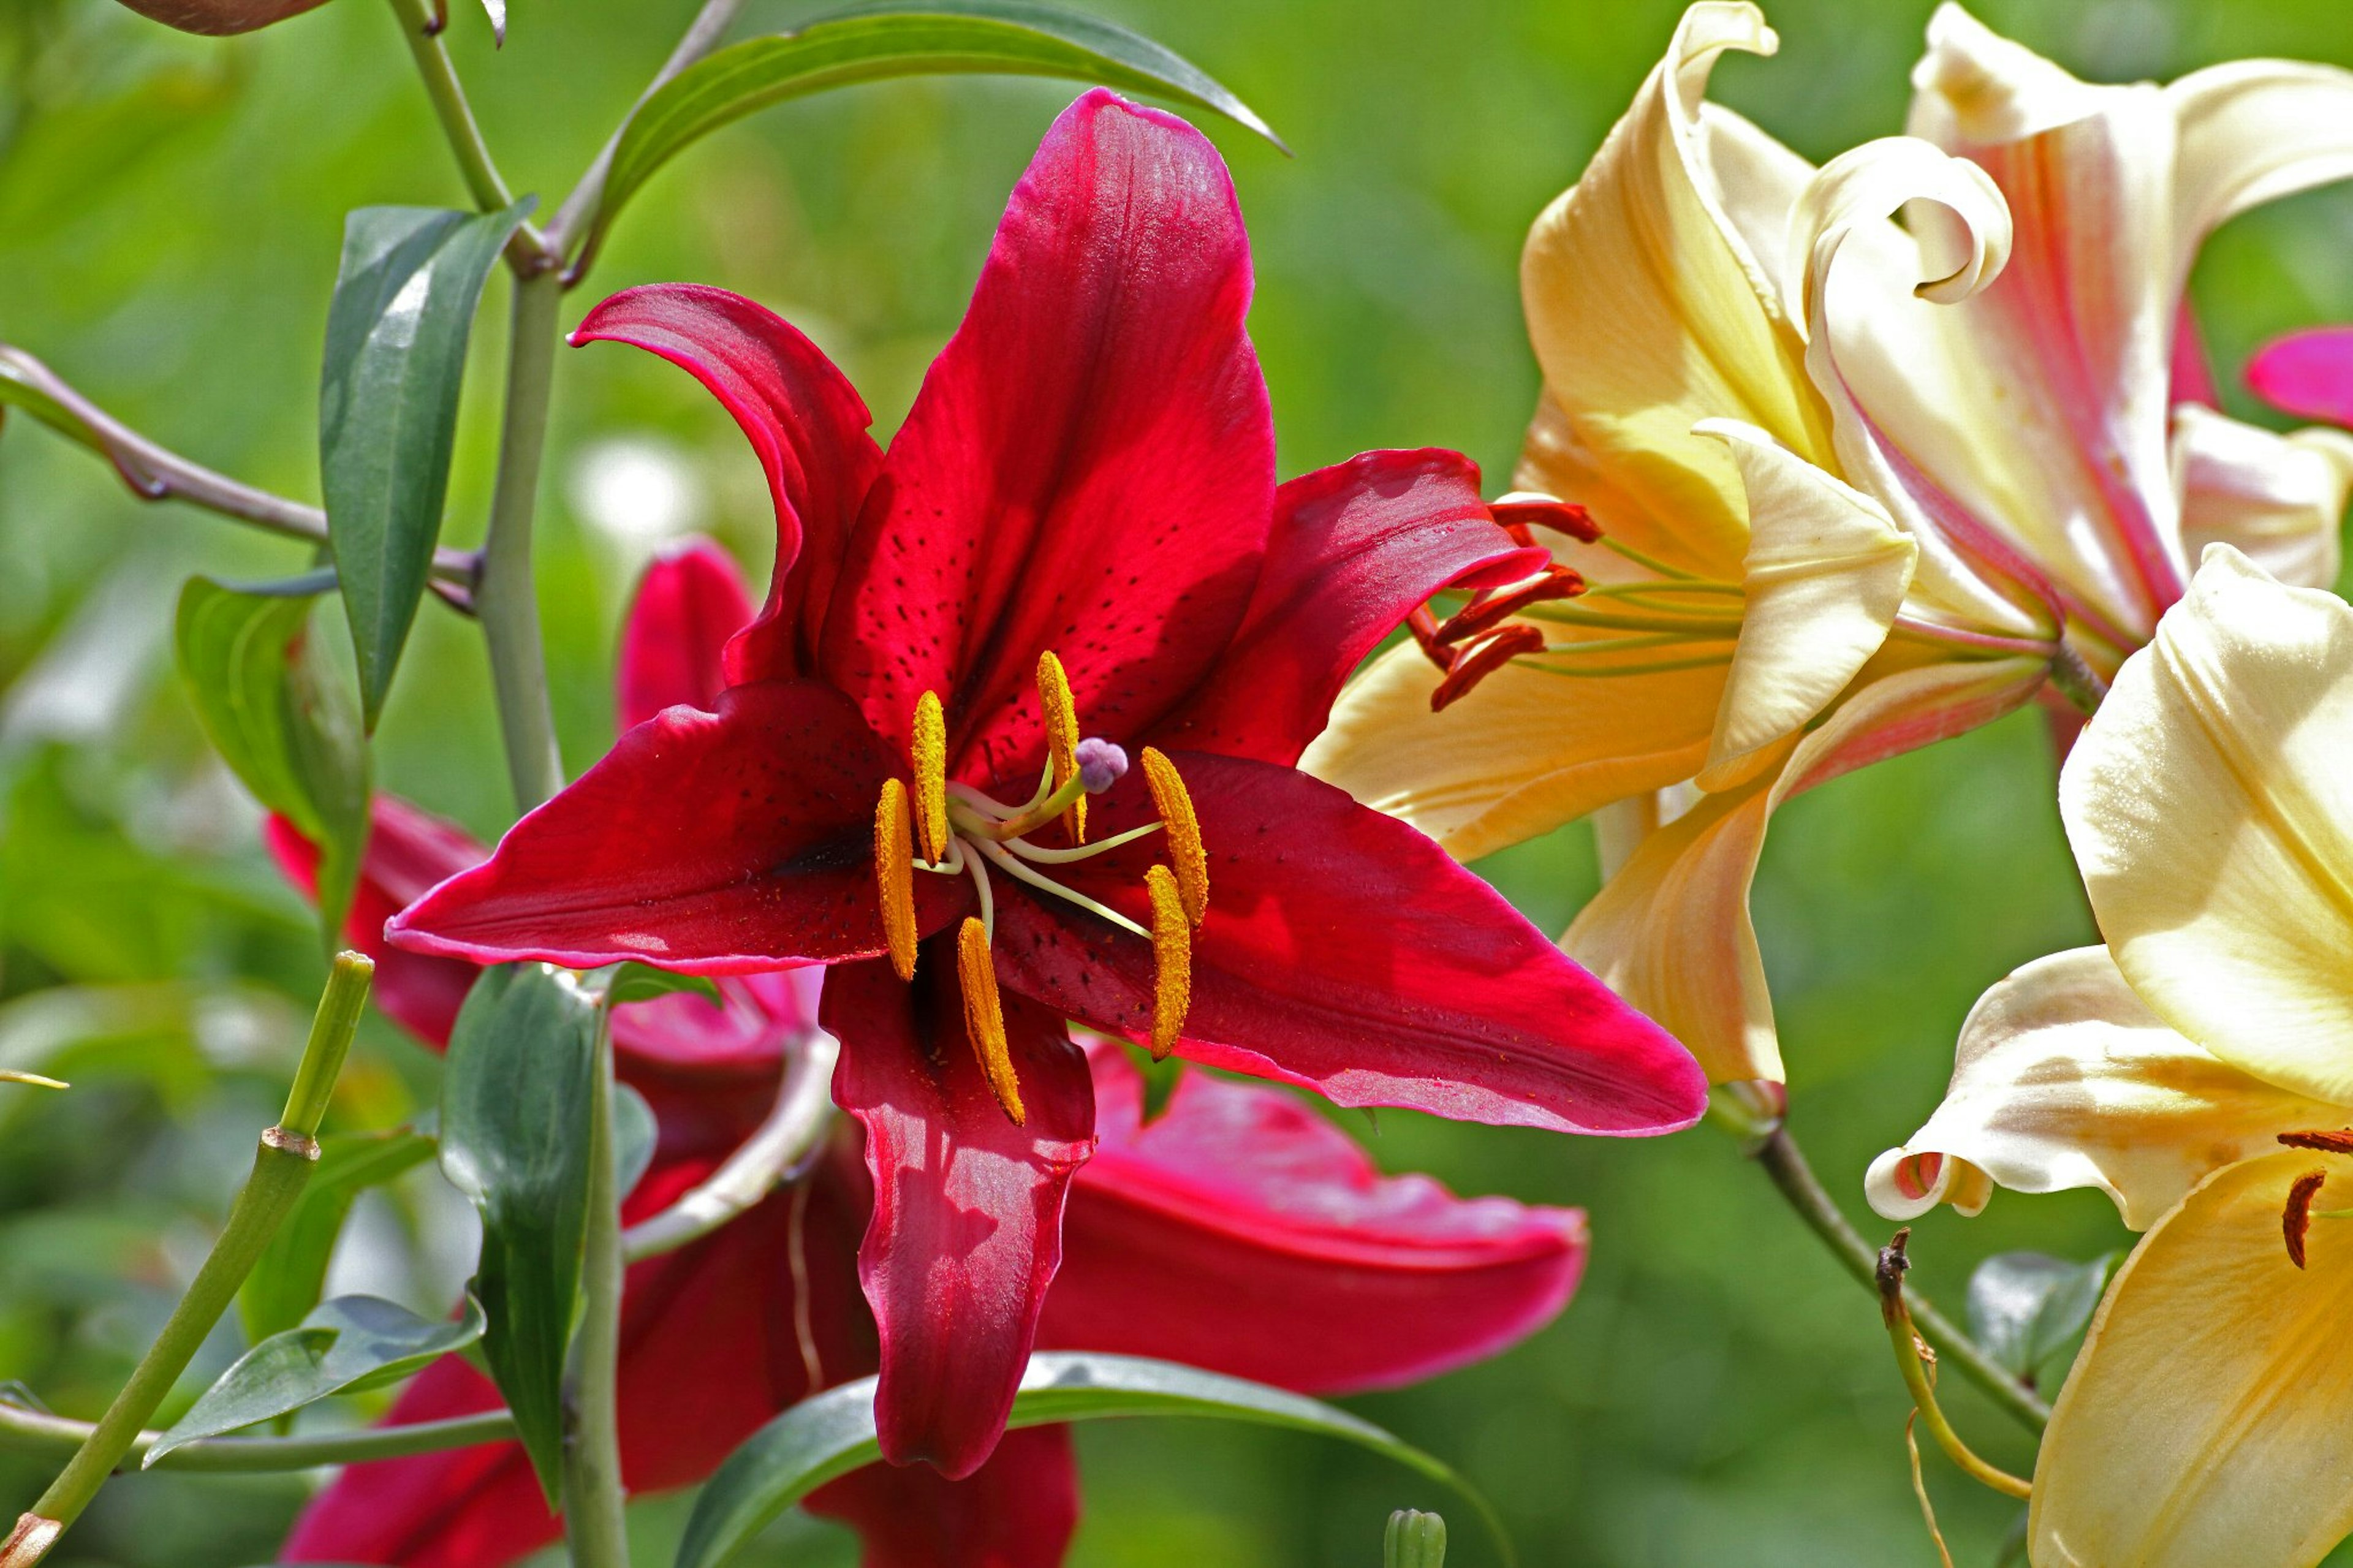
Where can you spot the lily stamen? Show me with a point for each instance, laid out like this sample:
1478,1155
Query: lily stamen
984,1018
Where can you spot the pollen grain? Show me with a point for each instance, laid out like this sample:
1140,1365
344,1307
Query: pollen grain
894,876
1188,858
983,1016
930,745
1062,712
1172,960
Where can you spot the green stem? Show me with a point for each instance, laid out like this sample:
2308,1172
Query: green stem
282,1167
506,602
1779,1154
593,1524
2076,680
1888,1277
38,1430
420,26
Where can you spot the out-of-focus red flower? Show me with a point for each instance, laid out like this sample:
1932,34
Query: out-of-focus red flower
1208,1235
220,16
1077,523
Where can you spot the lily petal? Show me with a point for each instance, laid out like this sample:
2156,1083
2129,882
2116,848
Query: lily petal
1090,466
1355,549
775,864
1671,932
1650,310
2307,373
2276,499
1344,952
688,606
2204,1426
2064,1079
2252,131
1825,577
2077,329
1018,1510
803,418
967,1226
1207,1235
1524,752
2209,804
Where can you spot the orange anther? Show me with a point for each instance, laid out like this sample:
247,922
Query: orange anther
894,855
1172,960
1187,857
930,745
983,1016
1062,712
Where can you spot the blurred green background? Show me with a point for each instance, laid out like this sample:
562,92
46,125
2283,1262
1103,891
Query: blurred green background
170,212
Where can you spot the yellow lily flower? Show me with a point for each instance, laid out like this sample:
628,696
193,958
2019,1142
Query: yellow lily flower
2198,1069
1859,483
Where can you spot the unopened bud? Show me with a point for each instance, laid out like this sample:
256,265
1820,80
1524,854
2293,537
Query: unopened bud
218,16
1415,1539
1102,764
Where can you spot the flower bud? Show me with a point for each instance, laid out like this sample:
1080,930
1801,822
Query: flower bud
219,16
1415,1539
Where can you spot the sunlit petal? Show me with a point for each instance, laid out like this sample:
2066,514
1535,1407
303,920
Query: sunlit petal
2278,499
1524,751
1651,311
2064,1079
2204,1426
2252,131
1825,577
2209,802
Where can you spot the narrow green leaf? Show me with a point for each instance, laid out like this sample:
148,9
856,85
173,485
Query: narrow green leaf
283,718
634,1134
350,1343
20,389
622,984
1004,38
832,1433
287,1279
2024,1307
516,1101
404,307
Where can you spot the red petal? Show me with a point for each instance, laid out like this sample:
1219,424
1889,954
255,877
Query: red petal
968,1207
688,604
1210,1236
1354,550
707,842
2309,375
1018,1510
408,851
804,419
1090,467
711,1350
1345,953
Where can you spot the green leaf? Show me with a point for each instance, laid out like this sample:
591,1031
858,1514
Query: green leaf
634,1134
832,1433
281,717
1006,38
517,1101
287,1279
622,984
404,306
350,1343
2024,1307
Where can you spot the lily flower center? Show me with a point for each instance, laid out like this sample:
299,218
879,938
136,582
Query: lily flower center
952,829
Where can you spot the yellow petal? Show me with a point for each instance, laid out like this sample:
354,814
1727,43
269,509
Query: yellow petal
2209,802
2204,1426
2277,499
1524,751
1825,577
1649,309
2062,1079
1670,930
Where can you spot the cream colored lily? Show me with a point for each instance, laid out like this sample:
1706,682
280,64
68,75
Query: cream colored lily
1855,480
2198,1069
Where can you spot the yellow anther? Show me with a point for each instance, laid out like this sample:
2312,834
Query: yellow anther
930,745
1182,829
1062,737
983,1016
1172,960
895,874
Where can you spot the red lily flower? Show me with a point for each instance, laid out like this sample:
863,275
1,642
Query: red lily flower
1205,1236
1082,498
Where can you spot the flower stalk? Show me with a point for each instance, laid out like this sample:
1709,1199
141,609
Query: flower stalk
37,1430
281,1168
1888,1275
1777,1154
507,600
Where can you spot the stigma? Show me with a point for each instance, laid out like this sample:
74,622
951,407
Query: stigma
932,825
